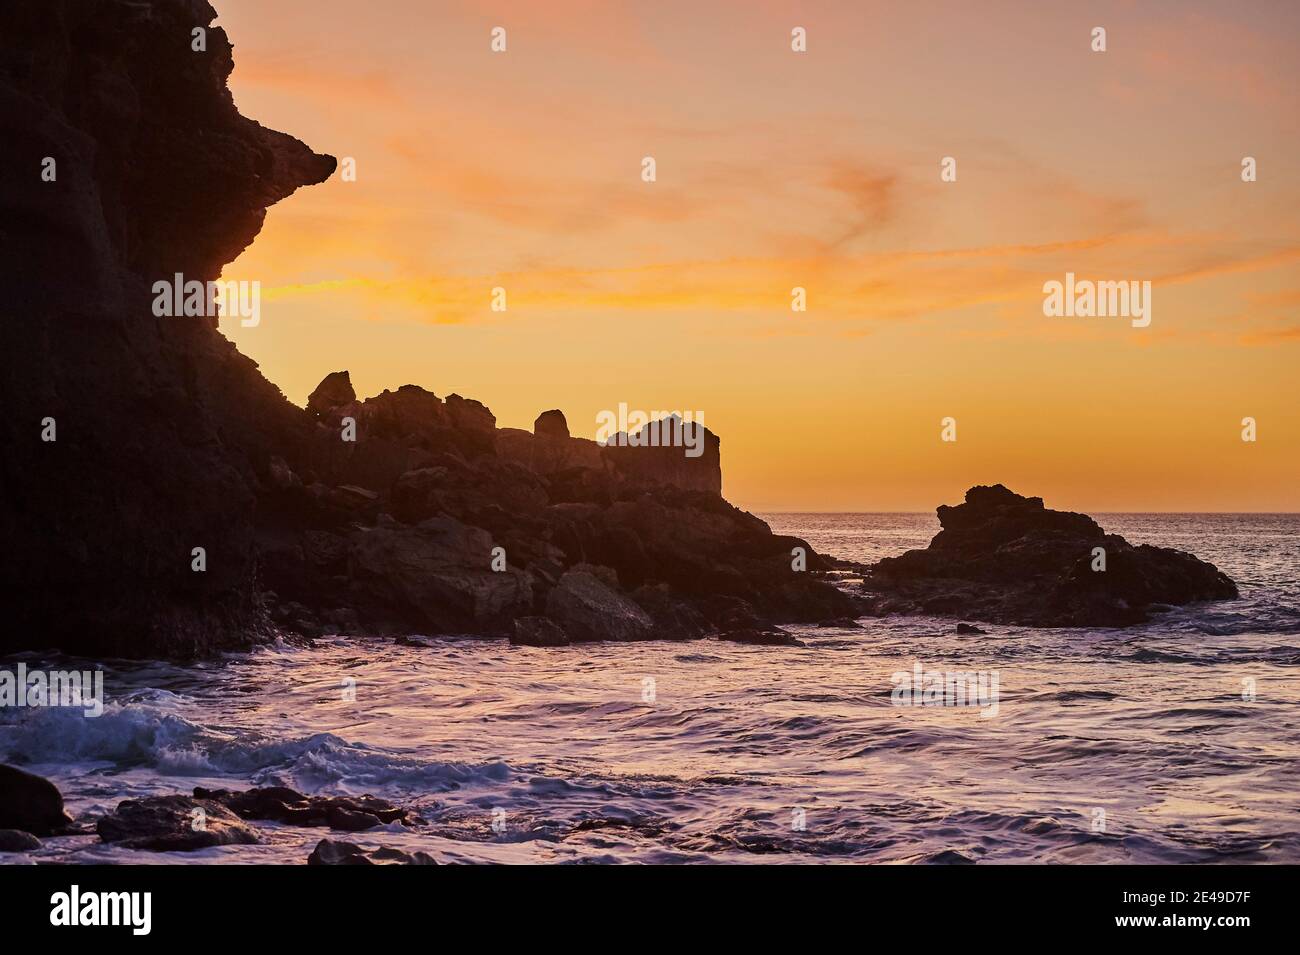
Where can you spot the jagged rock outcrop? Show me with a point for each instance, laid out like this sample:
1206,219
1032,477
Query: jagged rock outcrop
1004,558
449,525
551,424
334,391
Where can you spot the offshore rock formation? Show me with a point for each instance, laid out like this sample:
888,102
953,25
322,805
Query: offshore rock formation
132,439
1005,558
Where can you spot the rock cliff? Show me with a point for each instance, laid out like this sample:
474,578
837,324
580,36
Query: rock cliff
129,439
134,440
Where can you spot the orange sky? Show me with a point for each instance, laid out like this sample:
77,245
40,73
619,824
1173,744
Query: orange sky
778,169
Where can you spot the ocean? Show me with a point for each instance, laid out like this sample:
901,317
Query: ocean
1177,741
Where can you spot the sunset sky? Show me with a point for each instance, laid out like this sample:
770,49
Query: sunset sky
820,169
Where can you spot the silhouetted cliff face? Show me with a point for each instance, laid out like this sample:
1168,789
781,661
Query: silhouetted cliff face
161,426
166,439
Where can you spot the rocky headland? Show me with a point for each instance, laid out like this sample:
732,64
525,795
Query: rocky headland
133,439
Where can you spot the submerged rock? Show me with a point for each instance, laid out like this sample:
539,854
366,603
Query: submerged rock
774,637
329,852
174,824
1005,558
30,803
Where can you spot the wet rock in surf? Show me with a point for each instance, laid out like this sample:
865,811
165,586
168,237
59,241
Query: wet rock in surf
538,632
1005,558
416,640
840,623
774,637
947,857
15,840
30,803
174,824
329,852
288,806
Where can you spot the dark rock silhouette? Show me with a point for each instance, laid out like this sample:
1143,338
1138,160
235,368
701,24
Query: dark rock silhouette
1004,558
334,391
16,840
551,424
164,432
30,803
657,453
417,514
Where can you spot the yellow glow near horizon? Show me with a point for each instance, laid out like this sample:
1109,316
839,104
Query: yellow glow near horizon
821,170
